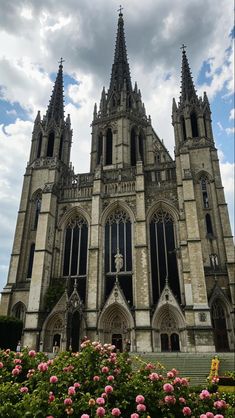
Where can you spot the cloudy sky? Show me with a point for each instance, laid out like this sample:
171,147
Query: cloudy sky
35,34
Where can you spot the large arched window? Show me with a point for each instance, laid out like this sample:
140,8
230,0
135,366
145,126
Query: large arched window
204,190
39,145
75,248
133,147
19,310
118,237
163,254
109,147
30,262
193,118
50,144
220,326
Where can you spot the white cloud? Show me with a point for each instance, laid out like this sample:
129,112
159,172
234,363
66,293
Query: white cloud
232,114
230,131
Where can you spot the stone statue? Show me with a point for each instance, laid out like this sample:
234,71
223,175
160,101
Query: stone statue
118,261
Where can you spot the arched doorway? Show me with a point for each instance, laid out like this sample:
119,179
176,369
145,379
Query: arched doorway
117,341
53,333
219,326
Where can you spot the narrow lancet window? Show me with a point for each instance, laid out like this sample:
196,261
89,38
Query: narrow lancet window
50,144
204,191
30,263
37,206
193,118
133,147
39,145
141,146
183,128
209,228
75,249
99,147
109,147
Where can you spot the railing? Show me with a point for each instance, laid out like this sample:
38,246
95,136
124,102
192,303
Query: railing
117,188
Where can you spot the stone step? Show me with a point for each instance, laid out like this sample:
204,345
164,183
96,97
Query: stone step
195,366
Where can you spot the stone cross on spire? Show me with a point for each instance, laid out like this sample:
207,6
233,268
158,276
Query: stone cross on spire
120,10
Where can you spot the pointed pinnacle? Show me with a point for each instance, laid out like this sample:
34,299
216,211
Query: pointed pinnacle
187,86
56,105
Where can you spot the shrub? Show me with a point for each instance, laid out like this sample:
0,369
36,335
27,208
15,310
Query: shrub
98,382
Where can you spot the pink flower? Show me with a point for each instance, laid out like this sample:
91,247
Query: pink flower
50,416
204,394
71,390
186,411
42,367
96,378
141,407
168,388
32,353
220,404
51,397
134,415
104,395
116,412
184,381
105,369
170,375
149,366
174,371
209,415
218,416
170,400
85,416
17,361
77,385
100,411
24,389
1,365
139,399
154,376
100,401
182,400
177,381
203,416
108,389
110,378
53,379
68,401
15,372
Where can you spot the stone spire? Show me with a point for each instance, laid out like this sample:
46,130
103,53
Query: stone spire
120,68
187,87
55,109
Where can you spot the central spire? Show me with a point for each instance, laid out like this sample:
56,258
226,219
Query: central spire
187,87
120,75
55,109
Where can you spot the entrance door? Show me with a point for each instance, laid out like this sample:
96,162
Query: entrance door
117,341
165,342
220,327
175,345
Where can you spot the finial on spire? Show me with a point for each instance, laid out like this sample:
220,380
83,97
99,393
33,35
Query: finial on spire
61,61
183,47
120,10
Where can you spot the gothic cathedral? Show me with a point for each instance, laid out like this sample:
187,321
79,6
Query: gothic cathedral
138,252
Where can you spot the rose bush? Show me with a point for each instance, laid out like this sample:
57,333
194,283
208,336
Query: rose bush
98,382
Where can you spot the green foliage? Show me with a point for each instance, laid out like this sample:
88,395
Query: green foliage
10,331
33,386
53,294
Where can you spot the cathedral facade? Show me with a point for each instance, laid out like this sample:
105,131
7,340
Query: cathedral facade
138,252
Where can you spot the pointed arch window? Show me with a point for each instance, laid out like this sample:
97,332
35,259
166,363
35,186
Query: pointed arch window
75,247
109,147
204,190
209,228
30,262
183,128
50,144
133,147
39,145
163,254
99,147
118,235
19,311
194,125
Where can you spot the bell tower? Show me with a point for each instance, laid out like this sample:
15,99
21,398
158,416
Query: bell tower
204,225
32,255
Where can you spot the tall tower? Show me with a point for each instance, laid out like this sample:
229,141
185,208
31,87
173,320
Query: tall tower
206,239
31,259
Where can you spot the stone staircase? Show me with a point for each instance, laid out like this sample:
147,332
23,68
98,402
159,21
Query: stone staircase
195,366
